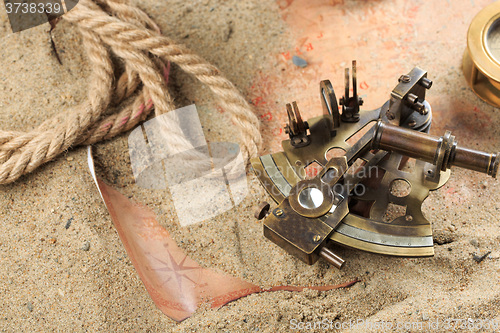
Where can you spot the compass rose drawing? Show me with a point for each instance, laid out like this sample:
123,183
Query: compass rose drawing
176,269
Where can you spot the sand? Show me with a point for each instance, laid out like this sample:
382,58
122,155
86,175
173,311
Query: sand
63,267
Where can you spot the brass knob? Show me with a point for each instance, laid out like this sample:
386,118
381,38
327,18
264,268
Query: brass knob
262,210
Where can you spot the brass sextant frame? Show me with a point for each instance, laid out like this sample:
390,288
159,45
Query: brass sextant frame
364,174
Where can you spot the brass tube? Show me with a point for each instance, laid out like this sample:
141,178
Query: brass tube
427,148
475,160
331,257
406,142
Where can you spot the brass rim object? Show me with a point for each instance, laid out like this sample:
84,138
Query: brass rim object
481,61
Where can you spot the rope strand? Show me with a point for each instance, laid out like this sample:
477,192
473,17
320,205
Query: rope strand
126,31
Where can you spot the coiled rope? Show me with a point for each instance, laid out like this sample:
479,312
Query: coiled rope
113,26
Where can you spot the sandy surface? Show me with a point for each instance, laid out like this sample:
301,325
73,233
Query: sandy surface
50,280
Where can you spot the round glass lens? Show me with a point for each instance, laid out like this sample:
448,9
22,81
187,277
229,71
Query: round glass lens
493,41
310,198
